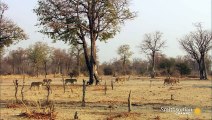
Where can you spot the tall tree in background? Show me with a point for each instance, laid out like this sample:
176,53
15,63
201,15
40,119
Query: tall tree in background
17,60
151,44
37,54
77,51
125,54
197,44
62,61
83,21
9,32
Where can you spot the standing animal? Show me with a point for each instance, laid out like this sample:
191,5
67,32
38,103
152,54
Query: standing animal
171,81
47,81
70,81
36,84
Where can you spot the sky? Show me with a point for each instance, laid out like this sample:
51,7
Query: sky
174,18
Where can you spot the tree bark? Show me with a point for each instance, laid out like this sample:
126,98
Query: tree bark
201,69
45,68
153,65
78,63
124,68
85,49
204,68
92,61
83,94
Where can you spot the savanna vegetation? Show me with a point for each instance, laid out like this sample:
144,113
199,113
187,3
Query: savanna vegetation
42,82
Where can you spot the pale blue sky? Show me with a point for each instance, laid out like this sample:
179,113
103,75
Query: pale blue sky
174,18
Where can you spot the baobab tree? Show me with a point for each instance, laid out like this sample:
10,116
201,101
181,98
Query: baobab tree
197,44
83,21
151,44
125,54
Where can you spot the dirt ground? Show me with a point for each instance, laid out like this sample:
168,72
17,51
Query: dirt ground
192,99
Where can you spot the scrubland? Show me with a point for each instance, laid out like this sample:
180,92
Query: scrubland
148,101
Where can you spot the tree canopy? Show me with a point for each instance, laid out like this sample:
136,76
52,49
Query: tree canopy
9,31
151,44
80,21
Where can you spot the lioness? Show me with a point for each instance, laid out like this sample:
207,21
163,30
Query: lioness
38,84
47,81
70,81
171,81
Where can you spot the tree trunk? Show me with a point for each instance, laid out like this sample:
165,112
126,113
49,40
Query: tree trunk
78,63
1,56
85,49
92,60
201,71
124,68
83,94
153,65
45,68
204,68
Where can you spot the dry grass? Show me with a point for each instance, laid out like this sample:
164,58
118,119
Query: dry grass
146,101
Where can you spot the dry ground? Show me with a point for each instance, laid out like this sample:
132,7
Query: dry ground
147,102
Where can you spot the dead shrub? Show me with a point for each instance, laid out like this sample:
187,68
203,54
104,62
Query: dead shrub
45,113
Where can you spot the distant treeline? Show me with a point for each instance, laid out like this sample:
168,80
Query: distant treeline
40,59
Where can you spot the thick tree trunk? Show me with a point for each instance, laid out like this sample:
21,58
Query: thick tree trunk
153,65
201,70
85,49
92,61
204,68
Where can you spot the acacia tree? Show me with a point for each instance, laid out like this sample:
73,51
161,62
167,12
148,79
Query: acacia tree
83,21
125,54
151,44
197,44
9,32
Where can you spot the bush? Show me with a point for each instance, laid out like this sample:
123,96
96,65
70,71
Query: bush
108,71
183,68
